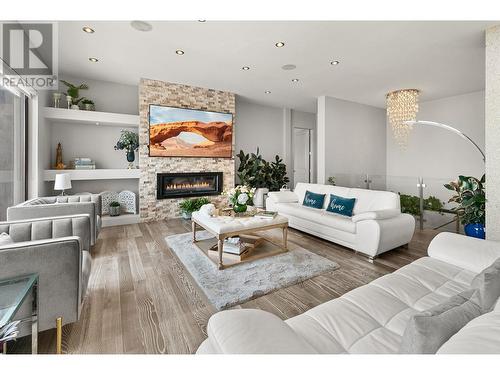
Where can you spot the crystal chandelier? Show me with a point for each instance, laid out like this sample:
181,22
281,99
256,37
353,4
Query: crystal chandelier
402,105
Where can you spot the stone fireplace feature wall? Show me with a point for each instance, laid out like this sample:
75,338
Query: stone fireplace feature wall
175,95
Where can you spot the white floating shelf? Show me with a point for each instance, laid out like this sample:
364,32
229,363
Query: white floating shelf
93,174
123,219
72,116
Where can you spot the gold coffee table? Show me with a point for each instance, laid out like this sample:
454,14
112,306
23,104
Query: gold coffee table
223,227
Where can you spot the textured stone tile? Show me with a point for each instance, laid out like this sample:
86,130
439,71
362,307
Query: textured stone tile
171,94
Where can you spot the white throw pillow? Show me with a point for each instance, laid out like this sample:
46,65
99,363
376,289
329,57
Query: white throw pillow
5,239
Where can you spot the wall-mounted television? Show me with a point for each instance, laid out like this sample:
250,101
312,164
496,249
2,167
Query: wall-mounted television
182,132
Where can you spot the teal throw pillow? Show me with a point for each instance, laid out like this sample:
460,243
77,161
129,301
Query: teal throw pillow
313,200
340,205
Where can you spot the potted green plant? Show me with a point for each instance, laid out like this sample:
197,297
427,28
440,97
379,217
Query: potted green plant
188,206
471,199
128,141
114,209
257,173
88,105
73,91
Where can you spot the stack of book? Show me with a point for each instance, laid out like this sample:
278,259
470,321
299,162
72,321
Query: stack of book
82,163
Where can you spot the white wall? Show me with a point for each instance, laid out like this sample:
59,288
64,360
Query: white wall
270,129
436,154
107,96
258,126
492,108
351,142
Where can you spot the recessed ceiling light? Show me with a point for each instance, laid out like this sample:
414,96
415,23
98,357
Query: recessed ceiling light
335,62
93,59
88,30
267,92
179,52
289,67
141,25
246,68
295,80
202,20
280,44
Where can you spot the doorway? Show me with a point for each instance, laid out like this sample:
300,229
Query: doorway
301,155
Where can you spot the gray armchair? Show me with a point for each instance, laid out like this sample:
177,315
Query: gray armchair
57,249
61,206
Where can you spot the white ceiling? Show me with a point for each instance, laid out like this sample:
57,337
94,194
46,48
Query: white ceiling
440,58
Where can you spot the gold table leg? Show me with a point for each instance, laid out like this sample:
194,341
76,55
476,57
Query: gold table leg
59,335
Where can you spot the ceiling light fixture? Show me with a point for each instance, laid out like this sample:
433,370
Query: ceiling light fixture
202,20
267,92
93,59
179,52
335,62
295,80
141,25
88,30
289,67
280,44
246,68
402,106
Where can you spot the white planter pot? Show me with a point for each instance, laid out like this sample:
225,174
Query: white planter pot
258,198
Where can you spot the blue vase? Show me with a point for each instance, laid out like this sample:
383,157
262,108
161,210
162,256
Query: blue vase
475,230
130,156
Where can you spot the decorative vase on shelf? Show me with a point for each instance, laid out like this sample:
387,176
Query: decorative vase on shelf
69,100
57,99
130,158
75,107
476,230
240,208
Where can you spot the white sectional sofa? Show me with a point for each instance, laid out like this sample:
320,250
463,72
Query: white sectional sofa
377,224
372,318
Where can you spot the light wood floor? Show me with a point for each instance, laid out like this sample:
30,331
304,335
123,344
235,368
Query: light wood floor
141,300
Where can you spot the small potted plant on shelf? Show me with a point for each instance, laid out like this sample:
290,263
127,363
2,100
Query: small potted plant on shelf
88,105
128,141
241,197
114,209
471,199
73,93
188,206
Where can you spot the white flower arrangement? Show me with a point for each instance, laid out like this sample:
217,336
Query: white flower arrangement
240,195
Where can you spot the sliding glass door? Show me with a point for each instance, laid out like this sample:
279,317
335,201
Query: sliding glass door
12,149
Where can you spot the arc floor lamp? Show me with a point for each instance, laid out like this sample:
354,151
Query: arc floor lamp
449,128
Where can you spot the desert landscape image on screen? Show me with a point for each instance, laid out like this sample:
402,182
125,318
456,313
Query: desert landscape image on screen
188,132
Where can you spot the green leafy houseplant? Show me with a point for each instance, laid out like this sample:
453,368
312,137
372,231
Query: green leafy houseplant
470,197
188,206
410,204
129,141
74,91
88,104
255,172
114,209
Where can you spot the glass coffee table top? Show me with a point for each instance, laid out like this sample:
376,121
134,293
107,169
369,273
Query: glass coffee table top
13,292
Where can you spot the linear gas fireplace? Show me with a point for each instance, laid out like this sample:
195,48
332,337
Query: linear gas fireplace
194,184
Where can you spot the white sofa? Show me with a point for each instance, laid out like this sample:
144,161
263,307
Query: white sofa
372,318
377,224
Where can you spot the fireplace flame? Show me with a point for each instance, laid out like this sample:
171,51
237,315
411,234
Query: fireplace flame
196,185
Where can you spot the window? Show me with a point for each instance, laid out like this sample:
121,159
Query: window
12,148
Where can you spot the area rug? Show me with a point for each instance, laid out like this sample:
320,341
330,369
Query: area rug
238,284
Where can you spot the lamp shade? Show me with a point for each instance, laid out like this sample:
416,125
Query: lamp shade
63,181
